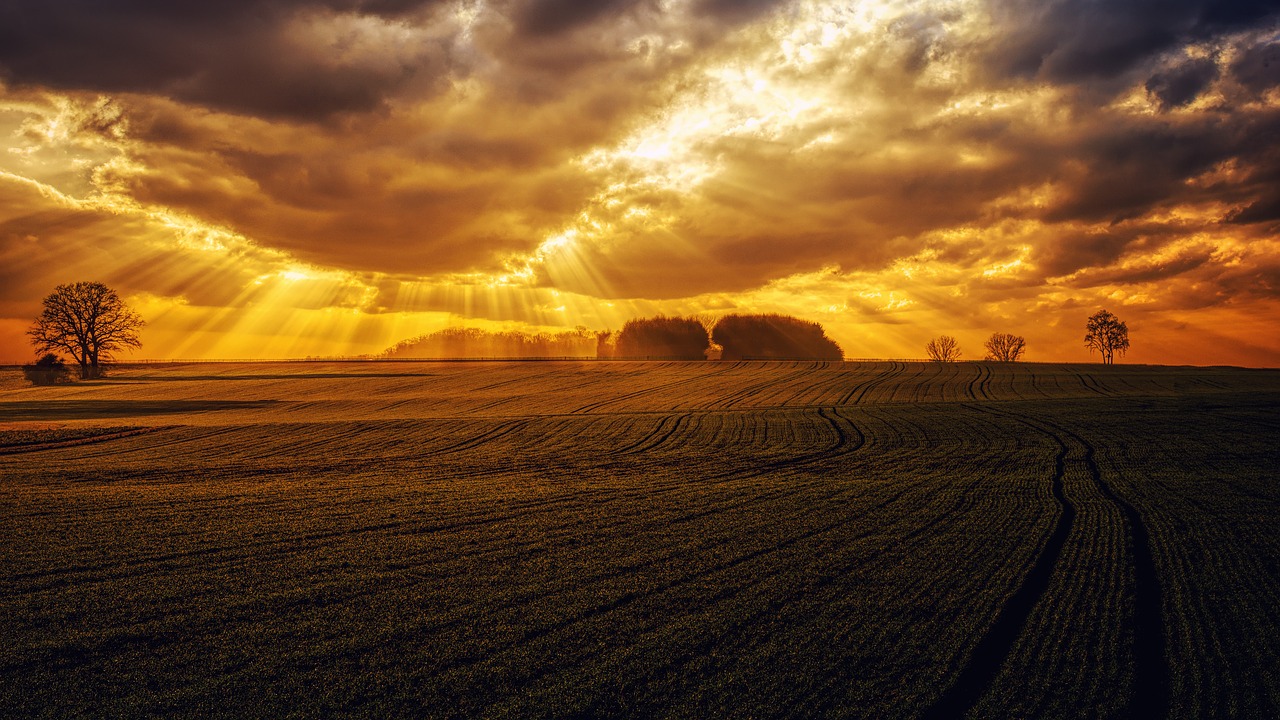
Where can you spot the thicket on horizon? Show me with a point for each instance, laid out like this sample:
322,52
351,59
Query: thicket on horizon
773,337
667,338
477,343
48,370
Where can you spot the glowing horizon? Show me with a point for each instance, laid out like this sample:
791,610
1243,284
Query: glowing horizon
330,179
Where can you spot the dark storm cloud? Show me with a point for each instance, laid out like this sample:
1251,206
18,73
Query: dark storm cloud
1128,171
1068,253
538,18
1180,85
1078,40
1144,273
739,10
1123,170
231,55
1266,209
1258,68
551,17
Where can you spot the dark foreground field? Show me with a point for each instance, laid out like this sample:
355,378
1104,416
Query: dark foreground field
642,539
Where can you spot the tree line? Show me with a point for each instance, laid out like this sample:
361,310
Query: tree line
89,321
466,342
1104,333
732,337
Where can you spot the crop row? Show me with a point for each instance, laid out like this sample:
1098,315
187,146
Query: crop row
504,582
745,551
180,395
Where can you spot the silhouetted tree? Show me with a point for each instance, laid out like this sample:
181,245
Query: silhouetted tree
777,337
48,370
943,348
605,344
1107,334
88,320
670,338
1003,347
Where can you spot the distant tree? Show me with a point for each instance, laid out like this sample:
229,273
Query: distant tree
779,337
943,348
668,338
1107,334
88,320
48,370
606,346
1003,347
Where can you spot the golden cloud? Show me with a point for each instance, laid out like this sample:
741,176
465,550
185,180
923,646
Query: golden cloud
893,170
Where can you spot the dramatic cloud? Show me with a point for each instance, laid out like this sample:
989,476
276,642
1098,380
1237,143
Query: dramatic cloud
295,59
1087,40
892,170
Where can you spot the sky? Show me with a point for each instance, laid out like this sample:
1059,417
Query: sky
277,178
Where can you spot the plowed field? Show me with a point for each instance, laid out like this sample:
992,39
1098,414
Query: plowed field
593,539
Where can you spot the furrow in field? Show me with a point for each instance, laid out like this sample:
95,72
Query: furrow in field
165,440
1090,383
727,601
76,442
987,656
857,393
1085,613
775,593
756,579
681,558
502,430
816,389
662,431
1215,549
785,387
935,524
1151,675
825,700
693,373
762,375
971,389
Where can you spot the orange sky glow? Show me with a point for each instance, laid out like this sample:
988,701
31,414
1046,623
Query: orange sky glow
290,179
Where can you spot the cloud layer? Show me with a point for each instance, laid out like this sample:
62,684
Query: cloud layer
932,166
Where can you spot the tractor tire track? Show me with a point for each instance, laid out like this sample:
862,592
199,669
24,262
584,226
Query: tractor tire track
996,644
634,596
501,431
594,406
117,454
1151,685
92,439
874,381
1151,690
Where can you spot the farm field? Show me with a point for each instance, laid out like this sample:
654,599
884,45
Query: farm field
588,539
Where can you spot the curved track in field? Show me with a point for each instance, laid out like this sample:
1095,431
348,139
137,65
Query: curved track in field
989,654
1149,695
684,539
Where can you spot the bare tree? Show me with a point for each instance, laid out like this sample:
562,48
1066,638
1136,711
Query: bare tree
943,348
1107,334
1003,347
88,320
